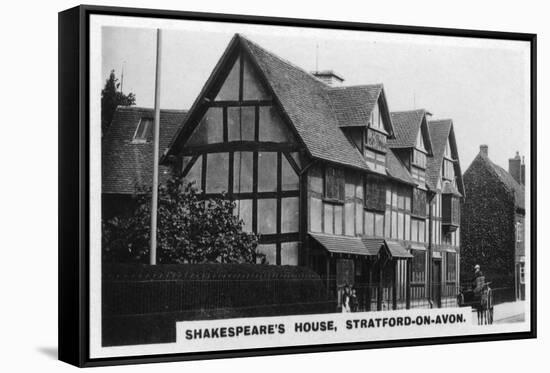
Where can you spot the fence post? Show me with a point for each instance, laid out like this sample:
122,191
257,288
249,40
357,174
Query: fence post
408,284
394,284
379,295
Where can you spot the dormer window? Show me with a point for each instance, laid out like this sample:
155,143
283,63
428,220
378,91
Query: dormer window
376,120
448,170
419,159
144,130
448,154
420,142
418,168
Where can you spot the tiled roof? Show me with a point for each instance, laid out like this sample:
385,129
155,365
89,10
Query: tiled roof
441,130
372,245
316,110
341,244
353,105
396,169
306,101
396,250
406,125
512,185
127,167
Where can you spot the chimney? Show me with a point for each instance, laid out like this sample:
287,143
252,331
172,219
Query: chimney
514,168
484,150
328,77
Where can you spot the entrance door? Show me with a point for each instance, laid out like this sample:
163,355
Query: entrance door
436,282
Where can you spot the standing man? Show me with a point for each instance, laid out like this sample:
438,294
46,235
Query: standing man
478,281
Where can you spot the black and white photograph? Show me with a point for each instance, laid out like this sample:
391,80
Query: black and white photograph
257,185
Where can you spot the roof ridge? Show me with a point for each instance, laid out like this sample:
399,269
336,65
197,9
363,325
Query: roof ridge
380,85
284,60
408,111
436,121
144,108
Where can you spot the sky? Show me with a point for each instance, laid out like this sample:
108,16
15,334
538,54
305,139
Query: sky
481,84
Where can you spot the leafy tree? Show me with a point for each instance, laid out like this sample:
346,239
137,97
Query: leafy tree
111,97
190,230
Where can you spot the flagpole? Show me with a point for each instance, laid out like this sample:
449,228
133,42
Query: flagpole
154,198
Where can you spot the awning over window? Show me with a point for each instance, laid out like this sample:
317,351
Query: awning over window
360,245
373,245
397,251
343,244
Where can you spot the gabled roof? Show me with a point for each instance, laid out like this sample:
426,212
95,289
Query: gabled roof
127,167
306,101
406,125
441,130
504,176
353,105
313,109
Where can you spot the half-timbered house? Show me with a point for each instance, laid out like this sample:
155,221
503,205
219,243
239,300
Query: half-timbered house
328,177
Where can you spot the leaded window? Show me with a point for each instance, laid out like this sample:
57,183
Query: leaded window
334,184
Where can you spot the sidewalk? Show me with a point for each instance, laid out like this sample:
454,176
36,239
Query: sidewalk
512,311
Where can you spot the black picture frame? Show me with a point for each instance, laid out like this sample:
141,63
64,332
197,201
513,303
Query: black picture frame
74,147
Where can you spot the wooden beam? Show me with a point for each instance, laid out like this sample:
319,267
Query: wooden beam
240,146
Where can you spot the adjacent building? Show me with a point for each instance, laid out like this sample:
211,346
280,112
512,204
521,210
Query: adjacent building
329,177
127,156
493,221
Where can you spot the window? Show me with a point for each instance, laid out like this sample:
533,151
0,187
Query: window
376,120
144,130
375,193
419,158
420,141
379,225
519,232
414,230
217,172
375,160
240,123
418,264
210,128
267,172
522,273
195,174
242,172
448,153
267,216
448,170
419,203
290,214
272,128
334,184
290,180
369,223
451,267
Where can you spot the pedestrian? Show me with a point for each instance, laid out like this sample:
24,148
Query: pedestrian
478,281
346,297
354,302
